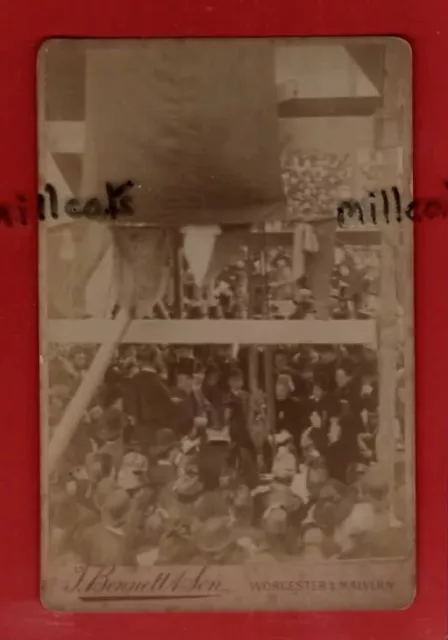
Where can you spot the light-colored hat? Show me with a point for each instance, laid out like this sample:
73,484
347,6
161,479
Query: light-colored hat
285,380
361,519
284,466
275,521
214,535
282,437
188,484
218,435
313,535
188,445
134,468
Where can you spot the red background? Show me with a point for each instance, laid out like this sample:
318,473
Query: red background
24,24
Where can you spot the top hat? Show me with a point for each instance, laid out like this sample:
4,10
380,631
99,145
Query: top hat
185,366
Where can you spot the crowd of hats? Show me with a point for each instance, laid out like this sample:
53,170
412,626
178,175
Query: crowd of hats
354,288
209,497
315,181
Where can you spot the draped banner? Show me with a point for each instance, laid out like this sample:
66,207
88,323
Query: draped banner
193,122
142,268
229,248
69,271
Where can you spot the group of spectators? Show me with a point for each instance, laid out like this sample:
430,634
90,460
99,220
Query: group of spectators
270,290
184,457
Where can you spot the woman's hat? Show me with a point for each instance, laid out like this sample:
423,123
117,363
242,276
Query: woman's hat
185,366
282,437
132,473
188,484
214,535
188,445
360,520
275,521
285,380
175,548
284,466
312,535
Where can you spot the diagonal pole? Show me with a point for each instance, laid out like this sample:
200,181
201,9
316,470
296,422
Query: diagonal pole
83,396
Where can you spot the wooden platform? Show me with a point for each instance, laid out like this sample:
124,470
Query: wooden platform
92,331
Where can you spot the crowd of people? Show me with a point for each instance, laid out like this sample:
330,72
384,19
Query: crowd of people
256,285
315,181
267,288
224,455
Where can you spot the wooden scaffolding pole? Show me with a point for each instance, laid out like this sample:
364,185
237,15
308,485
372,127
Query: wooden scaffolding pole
253,348
391,115
80,401
178,294
268,351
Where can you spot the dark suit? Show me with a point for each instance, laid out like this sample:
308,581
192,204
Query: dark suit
147,400
288,417
186,410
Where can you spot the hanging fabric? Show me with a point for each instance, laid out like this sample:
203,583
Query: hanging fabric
199,244
304,242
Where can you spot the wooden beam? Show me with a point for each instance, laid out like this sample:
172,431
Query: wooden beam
65,430
96,331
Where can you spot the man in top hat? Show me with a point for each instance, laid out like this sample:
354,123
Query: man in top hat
325,370
237,401
318,399
243,455
287,408
189,402
342,447
110,433
148,401
212,386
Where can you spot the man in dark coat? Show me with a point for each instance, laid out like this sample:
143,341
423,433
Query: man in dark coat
287,409
347,388
190,403
147,399
325,370
236,417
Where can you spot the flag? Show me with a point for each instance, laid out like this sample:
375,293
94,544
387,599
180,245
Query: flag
142,267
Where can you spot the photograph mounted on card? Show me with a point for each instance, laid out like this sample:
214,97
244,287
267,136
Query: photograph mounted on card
226,342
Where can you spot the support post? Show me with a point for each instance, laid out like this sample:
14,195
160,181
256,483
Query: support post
82,398
177,275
